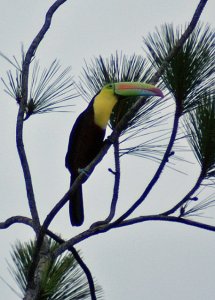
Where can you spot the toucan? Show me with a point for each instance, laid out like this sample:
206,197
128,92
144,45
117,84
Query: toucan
88,132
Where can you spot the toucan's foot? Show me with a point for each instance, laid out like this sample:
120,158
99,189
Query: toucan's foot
83,171
110,140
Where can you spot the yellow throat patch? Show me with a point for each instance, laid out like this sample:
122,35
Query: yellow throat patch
103,105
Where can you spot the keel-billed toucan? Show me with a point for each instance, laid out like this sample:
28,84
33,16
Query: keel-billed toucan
87,135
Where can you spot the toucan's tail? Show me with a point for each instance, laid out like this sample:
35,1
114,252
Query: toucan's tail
76,207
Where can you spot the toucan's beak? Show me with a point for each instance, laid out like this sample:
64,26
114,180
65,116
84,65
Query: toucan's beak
136,89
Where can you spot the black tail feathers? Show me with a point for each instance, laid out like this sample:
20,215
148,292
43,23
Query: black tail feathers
76,208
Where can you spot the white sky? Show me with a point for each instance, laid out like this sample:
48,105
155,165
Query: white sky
146,261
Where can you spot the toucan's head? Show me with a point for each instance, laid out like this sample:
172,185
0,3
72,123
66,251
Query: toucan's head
133,89
105,101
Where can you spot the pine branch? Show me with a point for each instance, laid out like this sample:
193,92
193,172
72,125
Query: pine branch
27,221
181,41
115,196
186,198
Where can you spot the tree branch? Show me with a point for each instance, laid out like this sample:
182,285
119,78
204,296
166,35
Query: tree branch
167,219
27,221
116,182
106,227
186,198
24,97
14,220
157,173
25,168
115,197
79,261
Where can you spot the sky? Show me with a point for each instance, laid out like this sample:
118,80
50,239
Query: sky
152,260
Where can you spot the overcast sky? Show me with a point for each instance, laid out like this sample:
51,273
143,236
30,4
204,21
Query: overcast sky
152,261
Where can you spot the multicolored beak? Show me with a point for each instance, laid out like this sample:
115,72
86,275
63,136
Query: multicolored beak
136,89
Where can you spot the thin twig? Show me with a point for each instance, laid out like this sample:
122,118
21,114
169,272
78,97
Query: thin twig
80,262
26,169
86,271
157,173
14,220
116,182
186,198
167,219
115,189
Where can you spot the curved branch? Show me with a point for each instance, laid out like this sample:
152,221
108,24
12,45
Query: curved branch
167,219
79,261
86,271
186,198
106,227
157,173
26,169
14,220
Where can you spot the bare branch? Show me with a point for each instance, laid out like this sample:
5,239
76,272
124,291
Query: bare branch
186,198
80,262
116,182
167,219
19,128
115,197
14,220
106,227
26,170
157,175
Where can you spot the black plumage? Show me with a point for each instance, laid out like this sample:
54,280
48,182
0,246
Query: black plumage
85,141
